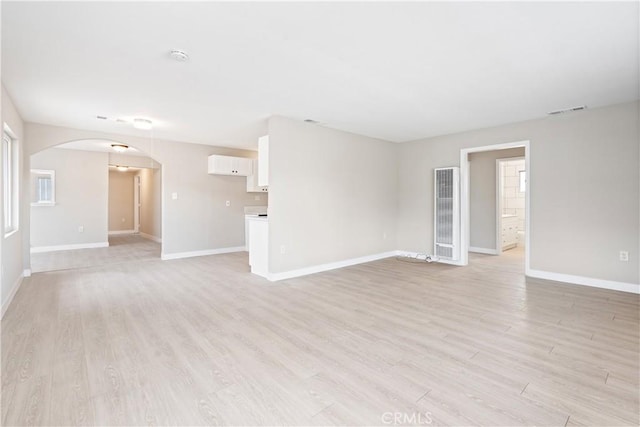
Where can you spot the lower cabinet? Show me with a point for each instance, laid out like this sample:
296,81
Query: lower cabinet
509,232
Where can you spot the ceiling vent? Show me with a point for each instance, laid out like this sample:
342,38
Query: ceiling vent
568,110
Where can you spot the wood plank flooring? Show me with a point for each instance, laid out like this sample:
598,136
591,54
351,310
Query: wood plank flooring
201,341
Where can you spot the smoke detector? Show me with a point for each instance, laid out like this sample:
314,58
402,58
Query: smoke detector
179,55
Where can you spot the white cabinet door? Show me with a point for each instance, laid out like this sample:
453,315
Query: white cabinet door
252,181
243,166
228,165
263,161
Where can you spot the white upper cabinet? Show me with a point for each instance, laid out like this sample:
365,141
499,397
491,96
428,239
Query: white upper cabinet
252,181
263,161
228,165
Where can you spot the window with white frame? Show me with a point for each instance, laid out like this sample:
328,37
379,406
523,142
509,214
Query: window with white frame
10,182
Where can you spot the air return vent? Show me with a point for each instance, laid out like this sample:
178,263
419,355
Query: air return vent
568,110
446,214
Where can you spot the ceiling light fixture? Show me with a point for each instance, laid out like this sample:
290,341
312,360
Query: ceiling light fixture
179,55
120,148
144,124
122,168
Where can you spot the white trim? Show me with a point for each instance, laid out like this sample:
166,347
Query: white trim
136,203
274,277
585,281
12,293
116,232
486,251
465,200
179,255
150,237
26,272
39,249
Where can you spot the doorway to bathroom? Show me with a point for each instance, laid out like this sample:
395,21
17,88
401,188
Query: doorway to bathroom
511,206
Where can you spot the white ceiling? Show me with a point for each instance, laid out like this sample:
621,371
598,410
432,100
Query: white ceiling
397,71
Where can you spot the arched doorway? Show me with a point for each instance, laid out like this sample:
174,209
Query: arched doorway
93,202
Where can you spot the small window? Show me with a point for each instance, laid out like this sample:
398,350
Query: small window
523,181
43,187
10,182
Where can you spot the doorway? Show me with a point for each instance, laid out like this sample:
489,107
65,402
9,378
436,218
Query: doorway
84,202
466,199
510,205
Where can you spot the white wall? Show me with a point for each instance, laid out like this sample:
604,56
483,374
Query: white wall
198,220
332,195
584,189
120,200
482,196
12,266
82,196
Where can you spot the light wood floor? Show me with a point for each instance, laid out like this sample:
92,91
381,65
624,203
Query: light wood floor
122,248
201,342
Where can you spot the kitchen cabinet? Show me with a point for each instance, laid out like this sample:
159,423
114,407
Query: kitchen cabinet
229,165
263,161
509,231
252,181
259,245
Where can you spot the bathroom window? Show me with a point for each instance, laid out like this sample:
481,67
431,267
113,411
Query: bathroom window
523,181
43,187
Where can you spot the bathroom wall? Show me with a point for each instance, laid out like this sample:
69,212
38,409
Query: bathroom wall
513,201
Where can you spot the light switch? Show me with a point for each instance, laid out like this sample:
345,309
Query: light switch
174,196
228,203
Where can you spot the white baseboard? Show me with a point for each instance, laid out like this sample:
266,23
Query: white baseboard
12,293
585,281
39,249
483,250
26,272
116,232
274,277
179,255
150,237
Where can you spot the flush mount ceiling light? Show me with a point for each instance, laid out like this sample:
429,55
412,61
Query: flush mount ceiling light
120,148
144,124
179,55
122,168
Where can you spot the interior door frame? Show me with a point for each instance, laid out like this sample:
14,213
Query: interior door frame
499,199
465,197
136,203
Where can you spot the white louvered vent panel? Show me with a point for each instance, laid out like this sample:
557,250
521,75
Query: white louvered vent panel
447,214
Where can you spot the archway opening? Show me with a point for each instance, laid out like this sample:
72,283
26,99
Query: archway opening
94,202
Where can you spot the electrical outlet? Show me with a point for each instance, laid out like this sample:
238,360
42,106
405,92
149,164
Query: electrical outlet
256,198
282,249
174,196
624,256
81,229
228,203
123,220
